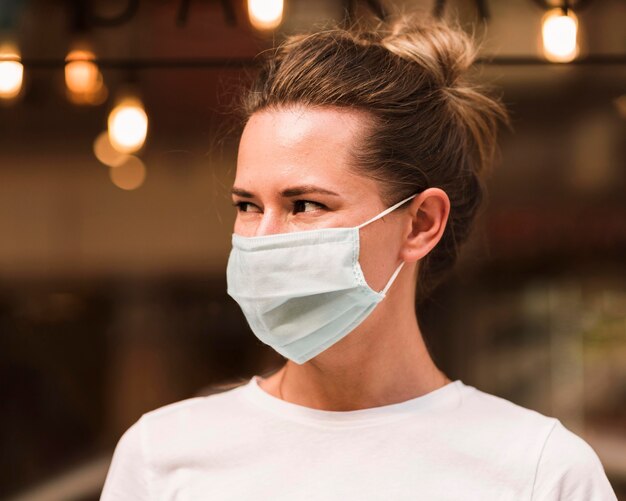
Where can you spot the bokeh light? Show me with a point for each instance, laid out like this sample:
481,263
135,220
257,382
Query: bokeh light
265,14
128,126
130,175
559,33
83,79
105,153
11,71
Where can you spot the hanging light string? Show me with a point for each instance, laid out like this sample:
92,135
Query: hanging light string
225,63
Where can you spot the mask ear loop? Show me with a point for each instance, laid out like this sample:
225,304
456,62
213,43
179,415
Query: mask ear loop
386,211
375,218
391,280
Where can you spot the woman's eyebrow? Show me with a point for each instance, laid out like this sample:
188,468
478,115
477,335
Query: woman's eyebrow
294,191
241,193
308,188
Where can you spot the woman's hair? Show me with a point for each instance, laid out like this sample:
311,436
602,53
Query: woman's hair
428,126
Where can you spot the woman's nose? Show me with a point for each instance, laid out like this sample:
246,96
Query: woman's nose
270,224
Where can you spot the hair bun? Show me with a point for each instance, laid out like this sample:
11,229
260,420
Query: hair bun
444,54
425,124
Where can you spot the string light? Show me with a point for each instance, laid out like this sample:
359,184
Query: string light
11,71
559,32
104,151
130,175
83,79
128,125
265,14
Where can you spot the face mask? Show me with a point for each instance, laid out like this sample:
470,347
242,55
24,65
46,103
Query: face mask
302,292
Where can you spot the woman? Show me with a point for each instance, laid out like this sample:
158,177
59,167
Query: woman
358,177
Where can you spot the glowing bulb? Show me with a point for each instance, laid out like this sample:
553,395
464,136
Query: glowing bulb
265,14
128,126
81,74
104,151
559,31
11,72
83,79
130,175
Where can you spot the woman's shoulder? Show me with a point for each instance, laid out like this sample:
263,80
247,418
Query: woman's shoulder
565,465
162,435
211,400
493,421
487,408
492,412
182,422
569,468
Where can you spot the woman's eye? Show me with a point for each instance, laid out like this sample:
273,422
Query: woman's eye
246,207
306,206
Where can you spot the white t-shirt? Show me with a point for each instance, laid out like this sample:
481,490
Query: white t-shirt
454,443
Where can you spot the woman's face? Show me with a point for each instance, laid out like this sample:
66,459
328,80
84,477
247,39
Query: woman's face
293,175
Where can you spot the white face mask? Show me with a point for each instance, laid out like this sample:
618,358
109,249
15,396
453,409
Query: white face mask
302,292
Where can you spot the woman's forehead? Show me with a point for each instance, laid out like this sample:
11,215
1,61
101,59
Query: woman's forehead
303,145
301,129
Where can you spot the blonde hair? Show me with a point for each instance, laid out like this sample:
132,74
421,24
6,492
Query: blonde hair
429,127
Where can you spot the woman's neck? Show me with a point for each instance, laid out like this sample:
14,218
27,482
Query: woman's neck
382,362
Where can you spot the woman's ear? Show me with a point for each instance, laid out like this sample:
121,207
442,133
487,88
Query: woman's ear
429,214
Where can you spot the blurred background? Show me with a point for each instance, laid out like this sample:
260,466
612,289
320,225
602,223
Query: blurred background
117,153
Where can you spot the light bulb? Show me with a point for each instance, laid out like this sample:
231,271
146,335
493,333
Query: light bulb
559,32
128,126
104,151
265,14
11,71
81,74
83,79
130,175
